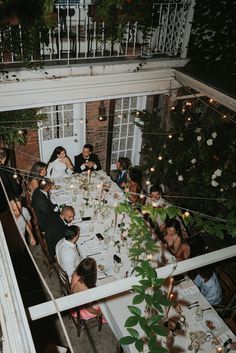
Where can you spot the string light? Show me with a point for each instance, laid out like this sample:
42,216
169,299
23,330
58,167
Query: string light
43,182
183,110
189,118
20,132
142,196
160,158
15,176
170,136
211,100
186,214
81,121
152,169
120,116
173,108
188,104
148,182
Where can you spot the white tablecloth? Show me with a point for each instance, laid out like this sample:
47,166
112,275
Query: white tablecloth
116,313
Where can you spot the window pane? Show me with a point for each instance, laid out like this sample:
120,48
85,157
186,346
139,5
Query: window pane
130,129
118,104
57,118
47,134
133,103
123,130
129,154
115,144
130,143
122,144
58,132
114,158
68,130
126,103
117,118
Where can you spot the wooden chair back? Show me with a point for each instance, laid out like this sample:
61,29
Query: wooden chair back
227,283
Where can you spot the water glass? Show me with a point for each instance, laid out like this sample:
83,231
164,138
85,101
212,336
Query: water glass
198,314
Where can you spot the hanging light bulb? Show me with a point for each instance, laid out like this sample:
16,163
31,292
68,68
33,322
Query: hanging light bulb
170,136
43,182
189,118
120,116
211,100
183,110
160,158
15,176
173,107
187,214
20,132
148,182
102,112
189,103
142,195
81,121
152,169
224,116
137,113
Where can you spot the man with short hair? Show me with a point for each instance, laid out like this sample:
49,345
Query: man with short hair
87,160
66,250
42,205
56,228
155,197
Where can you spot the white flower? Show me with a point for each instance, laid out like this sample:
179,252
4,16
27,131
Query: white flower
193,161
222,189
214,183
218,172
170,161
209,142
197,130
233,184
213,176
199,138
214,134
180,178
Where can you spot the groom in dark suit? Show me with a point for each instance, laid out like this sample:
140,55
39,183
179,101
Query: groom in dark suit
42,205
86,160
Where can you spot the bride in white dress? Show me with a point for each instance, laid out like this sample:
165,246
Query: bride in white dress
59,164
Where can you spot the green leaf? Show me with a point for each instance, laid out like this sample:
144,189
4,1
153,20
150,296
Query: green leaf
138,289
160,330
134,310
155,319
127,340
133,332
164,301
131,321
139,345
149,299
139,298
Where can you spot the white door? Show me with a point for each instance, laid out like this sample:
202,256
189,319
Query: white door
126,141
64,126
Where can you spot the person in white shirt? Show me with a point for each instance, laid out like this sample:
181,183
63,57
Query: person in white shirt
22,219
59,164
209,285
66,250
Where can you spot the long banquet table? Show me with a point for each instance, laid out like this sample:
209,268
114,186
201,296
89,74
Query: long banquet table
94,198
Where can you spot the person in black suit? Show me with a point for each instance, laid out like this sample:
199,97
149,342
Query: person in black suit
123,164
12,185
42,205
56,228
86,160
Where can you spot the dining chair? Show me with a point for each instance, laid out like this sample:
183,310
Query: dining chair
228,285
43,244
65,289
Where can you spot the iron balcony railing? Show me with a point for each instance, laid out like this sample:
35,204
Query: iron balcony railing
77,35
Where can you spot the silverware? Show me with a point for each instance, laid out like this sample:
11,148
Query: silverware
105,277
206,309
194,306
96,253
85,241
180,281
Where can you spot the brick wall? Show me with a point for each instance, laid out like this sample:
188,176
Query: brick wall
96,131
27,154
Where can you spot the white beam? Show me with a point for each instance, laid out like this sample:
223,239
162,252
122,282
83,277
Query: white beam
206,89
16,333
123,285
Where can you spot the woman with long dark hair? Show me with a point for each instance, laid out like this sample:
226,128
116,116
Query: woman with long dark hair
37,172
173,237
59,164
85,277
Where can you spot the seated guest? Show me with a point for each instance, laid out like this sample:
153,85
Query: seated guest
42,205
87,160
123,164
59,164
12,186
56,228
209,285
66,250
134,185
174,239
85,277
155,197
23,220
37,172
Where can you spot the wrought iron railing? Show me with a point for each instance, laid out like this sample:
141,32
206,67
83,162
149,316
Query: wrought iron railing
77,35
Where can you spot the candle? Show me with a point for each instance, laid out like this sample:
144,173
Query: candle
89,175
115,216
170,287
100,197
